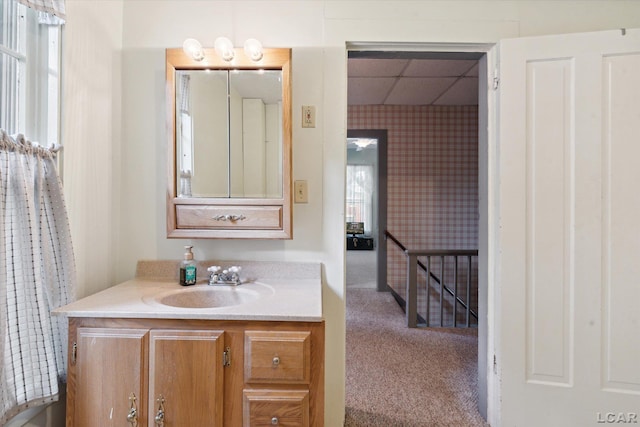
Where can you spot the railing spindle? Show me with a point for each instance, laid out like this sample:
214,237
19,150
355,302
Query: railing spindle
441,291
455,291
428,290
468,291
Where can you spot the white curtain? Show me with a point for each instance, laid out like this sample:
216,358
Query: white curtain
37,274
53,7
360,195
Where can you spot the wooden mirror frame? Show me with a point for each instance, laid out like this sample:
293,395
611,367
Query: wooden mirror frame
229,218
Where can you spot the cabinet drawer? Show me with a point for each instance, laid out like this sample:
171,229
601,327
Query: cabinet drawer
277,357
229,217
283,408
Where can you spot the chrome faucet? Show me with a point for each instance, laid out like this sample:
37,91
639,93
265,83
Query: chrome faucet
229,276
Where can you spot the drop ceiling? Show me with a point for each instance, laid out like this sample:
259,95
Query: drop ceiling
412,79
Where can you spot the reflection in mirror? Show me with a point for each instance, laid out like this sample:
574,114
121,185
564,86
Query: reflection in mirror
229,133
256,133
202,133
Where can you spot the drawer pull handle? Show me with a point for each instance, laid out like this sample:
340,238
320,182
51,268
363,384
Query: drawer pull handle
132,415
276,361
159,418
231,218
274,421
74,353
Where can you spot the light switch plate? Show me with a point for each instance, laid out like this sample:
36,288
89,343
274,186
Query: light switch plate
300,192
308,116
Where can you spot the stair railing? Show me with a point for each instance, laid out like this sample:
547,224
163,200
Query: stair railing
413,263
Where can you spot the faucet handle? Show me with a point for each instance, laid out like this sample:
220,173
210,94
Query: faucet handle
228,276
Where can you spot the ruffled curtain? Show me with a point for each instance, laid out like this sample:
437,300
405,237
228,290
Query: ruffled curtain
37,274
53,7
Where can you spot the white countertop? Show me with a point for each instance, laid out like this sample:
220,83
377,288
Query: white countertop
276,299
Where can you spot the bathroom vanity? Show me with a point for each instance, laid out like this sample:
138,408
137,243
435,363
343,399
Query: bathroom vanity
149,352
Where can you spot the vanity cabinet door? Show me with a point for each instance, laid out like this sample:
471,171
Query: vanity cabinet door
186,377
107,377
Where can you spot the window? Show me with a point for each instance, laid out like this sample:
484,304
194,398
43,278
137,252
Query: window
359,198
29,73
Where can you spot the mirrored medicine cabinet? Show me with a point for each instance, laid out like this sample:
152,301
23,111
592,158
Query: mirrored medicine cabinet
229,127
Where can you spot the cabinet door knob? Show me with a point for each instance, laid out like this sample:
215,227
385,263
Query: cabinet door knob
274,421
276,361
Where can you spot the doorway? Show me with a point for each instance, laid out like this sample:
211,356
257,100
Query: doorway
366,202
405,62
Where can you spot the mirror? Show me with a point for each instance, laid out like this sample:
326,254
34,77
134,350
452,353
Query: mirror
229,145
234,117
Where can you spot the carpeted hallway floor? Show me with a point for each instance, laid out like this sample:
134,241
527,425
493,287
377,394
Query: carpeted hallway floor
401,377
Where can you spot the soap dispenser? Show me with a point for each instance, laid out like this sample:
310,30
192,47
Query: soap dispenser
188,268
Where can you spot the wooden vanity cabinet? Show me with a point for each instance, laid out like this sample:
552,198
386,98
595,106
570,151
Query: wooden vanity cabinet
195,373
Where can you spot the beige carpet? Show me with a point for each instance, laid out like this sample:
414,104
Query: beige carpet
401,377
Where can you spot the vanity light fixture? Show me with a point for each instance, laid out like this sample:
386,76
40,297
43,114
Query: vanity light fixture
193,48
224,48
253,49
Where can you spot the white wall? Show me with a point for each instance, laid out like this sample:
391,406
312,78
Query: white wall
115,135
91,134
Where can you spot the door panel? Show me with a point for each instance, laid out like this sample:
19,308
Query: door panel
110,365
568,242
621,229
548,258
185,370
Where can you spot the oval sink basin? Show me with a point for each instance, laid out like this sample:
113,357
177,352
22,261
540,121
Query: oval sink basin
209,297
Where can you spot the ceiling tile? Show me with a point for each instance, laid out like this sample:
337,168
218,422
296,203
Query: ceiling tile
438,68
463,92
418,91
372,90
363,67
423,81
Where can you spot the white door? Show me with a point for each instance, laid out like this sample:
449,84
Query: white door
568,200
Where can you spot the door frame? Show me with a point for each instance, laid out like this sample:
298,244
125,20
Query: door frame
488,191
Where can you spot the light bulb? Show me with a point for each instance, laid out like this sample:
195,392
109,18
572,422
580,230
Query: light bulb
224,48
253,49
193,48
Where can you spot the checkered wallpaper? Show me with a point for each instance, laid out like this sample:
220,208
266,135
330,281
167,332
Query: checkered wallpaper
432,176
